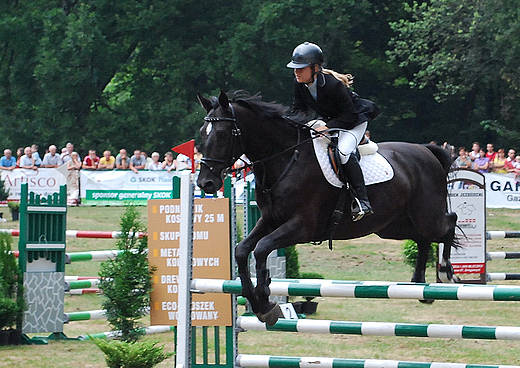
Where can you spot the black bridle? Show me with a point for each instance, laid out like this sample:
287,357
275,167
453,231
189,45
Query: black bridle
236,140
235,135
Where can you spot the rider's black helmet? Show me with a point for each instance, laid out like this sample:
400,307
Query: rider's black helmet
306,54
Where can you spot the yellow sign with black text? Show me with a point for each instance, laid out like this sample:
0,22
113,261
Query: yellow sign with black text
211,259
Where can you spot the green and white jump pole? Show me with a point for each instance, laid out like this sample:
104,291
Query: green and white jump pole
267,361
330,288
383,329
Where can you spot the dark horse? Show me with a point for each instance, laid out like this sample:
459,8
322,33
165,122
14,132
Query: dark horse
297,202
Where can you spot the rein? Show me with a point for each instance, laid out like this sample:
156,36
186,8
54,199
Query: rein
237,134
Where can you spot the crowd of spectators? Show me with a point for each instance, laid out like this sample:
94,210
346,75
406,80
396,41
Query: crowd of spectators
485,160
480,159
29,158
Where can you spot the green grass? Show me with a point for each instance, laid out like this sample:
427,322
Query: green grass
369,258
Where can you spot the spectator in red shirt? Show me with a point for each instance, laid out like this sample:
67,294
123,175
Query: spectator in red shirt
91,162
491,154
510,160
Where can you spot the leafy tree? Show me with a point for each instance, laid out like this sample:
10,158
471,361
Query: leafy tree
108,75
463,52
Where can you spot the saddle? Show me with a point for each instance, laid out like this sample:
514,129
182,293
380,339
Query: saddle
376,169
347,192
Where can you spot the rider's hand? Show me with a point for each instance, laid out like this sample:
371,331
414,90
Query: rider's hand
321,128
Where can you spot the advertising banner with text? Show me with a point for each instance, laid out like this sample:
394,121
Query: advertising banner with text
211,259
502,191
42,181
466,197
116,187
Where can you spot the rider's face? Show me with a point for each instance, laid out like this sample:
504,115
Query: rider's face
304,75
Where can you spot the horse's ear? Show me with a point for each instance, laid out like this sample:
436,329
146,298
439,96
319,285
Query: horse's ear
205,103
223,100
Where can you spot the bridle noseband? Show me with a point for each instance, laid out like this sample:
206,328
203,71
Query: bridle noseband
235,133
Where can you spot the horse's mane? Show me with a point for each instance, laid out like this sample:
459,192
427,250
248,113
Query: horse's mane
272,111
266,110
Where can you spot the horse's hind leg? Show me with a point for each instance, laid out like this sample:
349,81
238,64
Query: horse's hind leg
419,274
423,250
446,272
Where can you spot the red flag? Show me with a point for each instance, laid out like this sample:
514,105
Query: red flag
187,149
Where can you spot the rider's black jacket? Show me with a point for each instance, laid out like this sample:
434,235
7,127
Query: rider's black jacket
334,103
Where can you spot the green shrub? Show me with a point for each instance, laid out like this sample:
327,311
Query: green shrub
11,287
4,192
13,206
311,275
9,272
126,280
137,354
292,265
410,253
8,313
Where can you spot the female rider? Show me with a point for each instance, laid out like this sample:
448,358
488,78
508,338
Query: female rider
320,90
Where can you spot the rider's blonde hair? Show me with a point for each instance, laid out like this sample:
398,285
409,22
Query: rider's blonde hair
347,79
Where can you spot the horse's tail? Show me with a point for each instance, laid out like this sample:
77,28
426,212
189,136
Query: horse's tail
446,161
442,155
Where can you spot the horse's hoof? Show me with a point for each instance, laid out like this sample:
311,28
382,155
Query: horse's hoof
456,280
271,317
448,277
427,301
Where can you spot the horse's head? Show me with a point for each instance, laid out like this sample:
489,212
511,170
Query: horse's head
221,139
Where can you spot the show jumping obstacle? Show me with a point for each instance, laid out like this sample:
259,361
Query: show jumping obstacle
364,289
42,261
359,289
42,229
332,288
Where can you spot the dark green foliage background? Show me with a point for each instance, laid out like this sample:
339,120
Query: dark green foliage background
108,75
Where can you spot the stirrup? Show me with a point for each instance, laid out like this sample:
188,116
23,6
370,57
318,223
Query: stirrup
356,216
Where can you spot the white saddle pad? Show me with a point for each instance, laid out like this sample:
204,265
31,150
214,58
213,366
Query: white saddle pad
376,169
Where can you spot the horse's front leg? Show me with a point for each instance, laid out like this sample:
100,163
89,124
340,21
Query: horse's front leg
290,233
242,252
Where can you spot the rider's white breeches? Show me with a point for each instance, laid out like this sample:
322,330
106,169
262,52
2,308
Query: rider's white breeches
348,140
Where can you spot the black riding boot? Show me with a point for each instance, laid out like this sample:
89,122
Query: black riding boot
360,204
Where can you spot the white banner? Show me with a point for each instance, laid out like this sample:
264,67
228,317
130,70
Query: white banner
119,186
502,191
42,181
